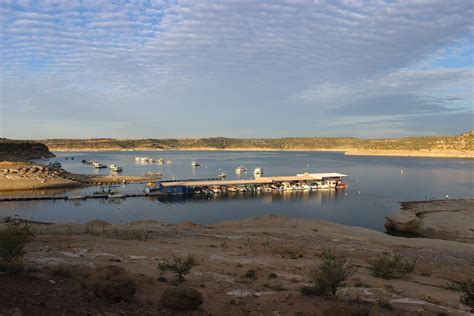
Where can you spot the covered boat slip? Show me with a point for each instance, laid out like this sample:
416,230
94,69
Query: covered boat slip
305,177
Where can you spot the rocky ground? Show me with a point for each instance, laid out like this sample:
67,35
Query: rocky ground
249,267
27,176
443,219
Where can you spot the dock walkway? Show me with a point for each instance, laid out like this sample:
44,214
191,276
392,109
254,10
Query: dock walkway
259,180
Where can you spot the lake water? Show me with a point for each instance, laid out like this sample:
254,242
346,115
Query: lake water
376,186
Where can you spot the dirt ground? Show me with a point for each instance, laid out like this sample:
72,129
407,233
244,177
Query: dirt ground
281,251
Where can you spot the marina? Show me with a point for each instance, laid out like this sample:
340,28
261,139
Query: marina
374,187
313,181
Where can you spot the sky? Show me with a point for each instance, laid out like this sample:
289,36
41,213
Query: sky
160,69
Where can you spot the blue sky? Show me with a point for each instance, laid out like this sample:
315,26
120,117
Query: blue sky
148,68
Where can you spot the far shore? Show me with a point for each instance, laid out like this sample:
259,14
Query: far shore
346,151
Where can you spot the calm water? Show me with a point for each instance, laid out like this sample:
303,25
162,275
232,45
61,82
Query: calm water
376,185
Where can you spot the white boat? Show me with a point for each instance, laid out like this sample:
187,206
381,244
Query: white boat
160,161
240,169
221,175
216,190
322,185
258,171
169,162
306,187
115,168
98,165
195,163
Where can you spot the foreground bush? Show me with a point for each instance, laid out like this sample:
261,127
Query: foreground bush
391,266
179,266
13,240
328,277
180,299
467,297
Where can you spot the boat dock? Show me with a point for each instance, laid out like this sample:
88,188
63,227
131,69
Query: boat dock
210,185
259,180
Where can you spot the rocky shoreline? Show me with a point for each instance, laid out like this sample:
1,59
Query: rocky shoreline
28,176
442,219
254,267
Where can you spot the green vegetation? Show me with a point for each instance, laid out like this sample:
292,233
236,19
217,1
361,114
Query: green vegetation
13,240
391,266
463,142
178,265
328,277
12,244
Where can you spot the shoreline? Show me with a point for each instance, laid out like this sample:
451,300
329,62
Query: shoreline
280,251
346,151
16,177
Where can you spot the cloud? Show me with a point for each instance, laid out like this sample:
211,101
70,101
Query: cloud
325,60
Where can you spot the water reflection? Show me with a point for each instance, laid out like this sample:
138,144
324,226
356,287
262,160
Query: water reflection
376,184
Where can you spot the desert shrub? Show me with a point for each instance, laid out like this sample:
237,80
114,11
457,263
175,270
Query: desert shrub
13,240
467,296
328,277
391,266
272,275
386,305
178,265
62,271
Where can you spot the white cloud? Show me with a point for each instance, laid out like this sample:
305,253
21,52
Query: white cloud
323,57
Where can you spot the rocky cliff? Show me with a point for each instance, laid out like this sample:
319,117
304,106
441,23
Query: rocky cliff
19,150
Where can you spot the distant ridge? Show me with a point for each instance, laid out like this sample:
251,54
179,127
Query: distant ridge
436,146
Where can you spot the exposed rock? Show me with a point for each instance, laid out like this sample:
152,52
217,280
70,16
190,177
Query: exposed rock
18,150
180,299
444,219
5,219
116,290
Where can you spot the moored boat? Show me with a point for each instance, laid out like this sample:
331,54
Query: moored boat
98,165
240,169
115,168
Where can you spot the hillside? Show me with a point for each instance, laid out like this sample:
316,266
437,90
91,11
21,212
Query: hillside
450,144
17,150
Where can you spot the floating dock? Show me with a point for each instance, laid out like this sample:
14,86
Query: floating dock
304,177
188,186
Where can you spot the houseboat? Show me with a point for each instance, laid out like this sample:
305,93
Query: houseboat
115,168
98,165
240,169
